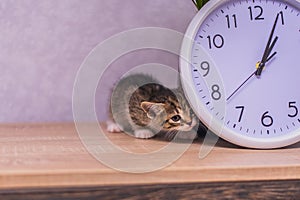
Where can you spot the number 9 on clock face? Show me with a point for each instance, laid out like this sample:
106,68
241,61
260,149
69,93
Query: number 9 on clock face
244,55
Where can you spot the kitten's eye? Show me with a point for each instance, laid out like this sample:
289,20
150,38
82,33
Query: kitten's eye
176,118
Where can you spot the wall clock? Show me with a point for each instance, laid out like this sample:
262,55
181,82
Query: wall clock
245,56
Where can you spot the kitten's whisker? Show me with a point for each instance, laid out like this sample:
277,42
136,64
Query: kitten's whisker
171,134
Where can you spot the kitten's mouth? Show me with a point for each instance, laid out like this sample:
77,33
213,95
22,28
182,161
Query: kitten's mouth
186,128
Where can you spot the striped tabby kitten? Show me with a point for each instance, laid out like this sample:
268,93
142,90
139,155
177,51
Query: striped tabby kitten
144,108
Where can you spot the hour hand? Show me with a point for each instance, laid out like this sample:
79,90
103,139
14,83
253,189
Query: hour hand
269,47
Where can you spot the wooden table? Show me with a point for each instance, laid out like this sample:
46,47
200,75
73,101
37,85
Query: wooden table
48,161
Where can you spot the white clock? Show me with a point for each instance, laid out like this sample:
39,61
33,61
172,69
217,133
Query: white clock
245,55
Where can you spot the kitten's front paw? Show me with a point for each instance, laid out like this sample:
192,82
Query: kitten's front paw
143,133
113,127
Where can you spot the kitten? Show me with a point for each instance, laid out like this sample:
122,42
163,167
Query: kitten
142,107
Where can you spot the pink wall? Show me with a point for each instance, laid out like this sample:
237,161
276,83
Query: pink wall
43,43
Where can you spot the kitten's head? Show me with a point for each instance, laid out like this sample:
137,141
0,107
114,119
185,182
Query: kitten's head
174,114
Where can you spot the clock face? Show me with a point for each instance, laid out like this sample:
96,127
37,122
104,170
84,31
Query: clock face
254,45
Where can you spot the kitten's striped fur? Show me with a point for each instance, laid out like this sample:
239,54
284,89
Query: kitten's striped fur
142,107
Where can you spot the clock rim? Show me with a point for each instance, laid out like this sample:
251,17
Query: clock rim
202,113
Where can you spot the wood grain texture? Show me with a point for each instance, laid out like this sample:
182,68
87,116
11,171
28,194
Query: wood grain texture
220,190
52,156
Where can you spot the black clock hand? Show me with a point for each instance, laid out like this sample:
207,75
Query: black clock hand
270,57
268,49
239,87
266,58
235,91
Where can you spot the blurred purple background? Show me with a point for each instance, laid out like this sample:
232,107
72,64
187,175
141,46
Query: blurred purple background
43,43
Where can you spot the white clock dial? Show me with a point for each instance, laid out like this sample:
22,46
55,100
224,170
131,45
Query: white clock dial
254,45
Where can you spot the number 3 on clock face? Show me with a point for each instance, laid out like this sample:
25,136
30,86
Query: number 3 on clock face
253,46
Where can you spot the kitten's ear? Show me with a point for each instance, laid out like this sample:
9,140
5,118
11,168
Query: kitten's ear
152,109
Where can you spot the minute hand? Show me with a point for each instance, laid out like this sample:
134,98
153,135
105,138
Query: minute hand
269,47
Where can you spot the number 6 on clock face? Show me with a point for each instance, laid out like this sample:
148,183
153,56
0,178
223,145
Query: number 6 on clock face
254,46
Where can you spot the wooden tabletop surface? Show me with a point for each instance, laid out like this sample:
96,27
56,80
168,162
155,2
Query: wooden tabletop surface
52,155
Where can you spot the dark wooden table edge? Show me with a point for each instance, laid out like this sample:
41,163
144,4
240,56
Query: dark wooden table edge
281,189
